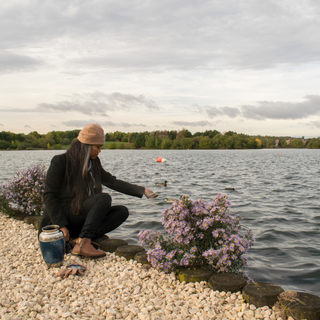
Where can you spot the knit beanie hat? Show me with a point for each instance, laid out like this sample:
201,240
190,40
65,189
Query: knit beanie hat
92,134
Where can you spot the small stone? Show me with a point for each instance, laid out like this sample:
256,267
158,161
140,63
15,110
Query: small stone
249,313
66,314
258,315
169,307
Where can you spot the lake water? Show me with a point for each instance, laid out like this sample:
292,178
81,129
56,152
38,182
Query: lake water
276,194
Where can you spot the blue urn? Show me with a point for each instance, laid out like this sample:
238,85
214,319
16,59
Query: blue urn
52,245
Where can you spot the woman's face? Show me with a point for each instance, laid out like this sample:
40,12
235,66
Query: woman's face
95,150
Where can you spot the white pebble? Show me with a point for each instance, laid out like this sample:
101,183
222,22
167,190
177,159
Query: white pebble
111,288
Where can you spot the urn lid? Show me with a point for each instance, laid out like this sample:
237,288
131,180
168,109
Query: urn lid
50,233
51,228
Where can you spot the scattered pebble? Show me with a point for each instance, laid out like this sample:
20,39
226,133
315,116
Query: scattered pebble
112,288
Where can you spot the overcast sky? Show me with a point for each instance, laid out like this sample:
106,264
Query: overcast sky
250,66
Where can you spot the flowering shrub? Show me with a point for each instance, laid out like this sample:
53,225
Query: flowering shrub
24,194
199,233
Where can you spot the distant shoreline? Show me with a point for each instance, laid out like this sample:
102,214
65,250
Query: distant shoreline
117,149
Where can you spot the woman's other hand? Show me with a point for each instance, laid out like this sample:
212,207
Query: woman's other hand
150,194
65,232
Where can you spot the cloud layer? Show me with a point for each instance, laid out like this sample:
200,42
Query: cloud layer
161,64
96,103
10,62
106,124
154,35
264,110
99,103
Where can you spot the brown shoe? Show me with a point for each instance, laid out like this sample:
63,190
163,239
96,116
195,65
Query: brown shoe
85,248
78,240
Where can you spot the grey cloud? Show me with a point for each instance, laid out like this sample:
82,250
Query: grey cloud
283,110
127,125
99,103
27,126
192,124
88,108
148,58
139,35
105,124
316,123
10,62
213,112
231,112
19,110
277,110
96,103
1,124
78,123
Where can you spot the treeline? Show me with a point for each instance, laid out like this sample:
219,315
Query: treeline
183,139
34,140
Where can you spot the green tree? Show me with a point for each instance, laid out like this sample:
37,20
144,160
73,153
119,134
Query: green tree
31,141
65,141
186,133
166,143
215,143
314,143
237,142
5,136
112,145
297,143
140,141
19,137
125,137
230,133
157,142
283,143
176,144
132,137
229,142
150,142
172,134
35,134
108,136
4,144
118,136
196,141
211,133
205,143
270,143
187,143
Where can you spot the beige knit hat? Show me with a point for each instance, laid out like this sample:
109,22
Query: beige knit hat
92,134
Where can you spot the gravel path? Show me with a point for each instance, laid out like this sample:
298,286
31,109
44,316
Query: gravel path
112,288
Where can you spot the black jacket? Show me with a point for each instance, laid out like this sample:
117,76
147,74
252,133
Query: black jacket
58,191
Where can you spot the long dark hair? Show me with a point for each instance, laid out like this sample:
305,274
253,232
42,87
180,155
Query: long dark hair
78,156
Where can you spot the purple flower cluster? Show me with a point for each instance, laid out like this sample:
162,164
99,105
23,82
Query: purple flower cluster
199,233
24,193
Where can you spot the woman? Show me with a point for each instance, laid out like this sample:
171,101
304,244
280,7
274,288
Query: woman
73,197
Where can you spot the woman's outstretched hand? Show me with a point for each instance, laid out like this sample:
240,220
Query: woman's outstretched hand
65,232
150,194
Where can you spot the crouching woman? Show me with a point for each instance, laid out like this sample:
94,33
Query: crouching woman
73,196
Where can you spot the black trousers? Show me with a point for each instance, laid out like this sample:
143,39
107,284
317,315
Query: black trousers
97,217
